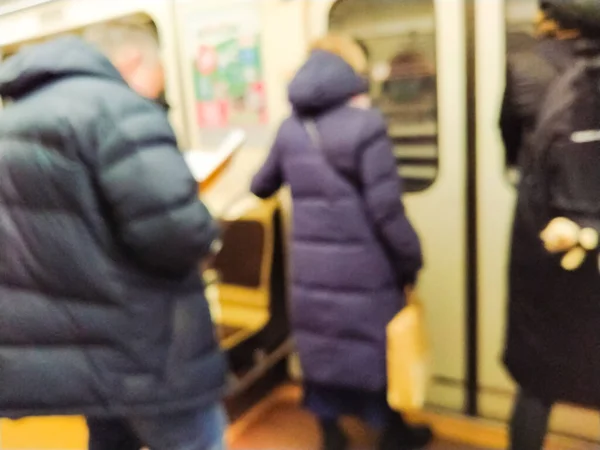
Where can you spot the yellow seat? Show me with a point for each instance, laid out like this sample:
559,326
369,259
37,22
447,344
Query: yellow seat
44,433
245,266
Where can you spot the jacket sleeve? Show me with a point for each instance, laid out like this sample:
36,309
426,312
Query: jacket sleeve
152,195
511,124
269,178
382,191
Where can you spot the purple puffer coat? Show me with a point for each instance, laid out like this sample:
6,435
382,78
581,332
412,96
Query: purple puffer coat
353,247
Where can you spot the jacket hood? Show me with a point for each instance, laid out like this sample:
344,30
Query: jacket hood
62,57
324,81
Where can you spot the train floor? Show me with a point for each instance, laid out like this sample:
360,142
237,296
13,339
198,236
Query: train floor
279,423
275,421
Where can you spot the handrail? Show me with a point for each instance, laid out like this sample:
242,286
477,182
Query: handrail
237,386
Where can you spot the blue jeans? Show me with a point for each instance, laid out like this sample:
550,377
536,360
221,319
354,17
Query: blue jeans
191,430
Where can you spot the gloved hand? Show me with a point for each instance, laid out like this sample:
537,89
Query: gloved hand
561,235
564,235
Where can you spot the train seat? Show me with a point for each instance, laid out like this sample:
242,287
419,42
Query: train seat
249,288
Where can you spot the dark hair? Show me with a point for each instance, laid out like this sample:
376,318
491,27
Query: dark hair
582,15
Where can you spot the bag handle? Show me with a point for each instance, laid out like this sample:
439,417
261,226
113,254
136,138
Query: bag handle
315,138
311,129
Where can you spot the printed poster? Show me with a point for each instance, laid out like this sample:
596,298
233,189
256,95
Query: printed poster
228,75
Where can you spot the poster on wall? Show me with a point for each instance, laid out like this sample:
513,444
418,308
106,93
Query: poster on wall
227,69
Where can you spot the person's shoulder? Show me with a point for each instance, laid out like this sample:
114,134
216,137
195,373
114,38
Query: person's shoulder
371,121
522,61
533,62
108,110
286,128
111,96
120,100
359,114
83,99
361,126
58,108
119,107
288,122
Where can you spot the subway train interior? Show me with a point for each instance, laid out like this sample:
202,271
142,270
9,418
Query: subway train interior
437,73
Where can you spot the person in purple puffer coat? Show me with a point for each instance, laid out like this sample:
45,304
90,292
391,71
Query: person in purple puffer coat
354,250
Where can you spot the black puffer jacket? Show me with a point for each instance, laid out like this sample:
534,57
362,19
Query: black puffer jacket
102,308
553,315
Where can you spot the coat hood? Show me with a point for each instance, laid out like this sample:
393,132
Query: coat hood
323,82
62,57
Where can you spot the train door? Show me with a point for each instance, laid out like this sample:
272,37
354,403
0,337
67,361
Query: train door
417,56
501,25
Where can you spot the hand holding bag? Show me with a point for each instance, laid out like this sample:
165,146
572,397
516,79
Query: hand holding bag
408,357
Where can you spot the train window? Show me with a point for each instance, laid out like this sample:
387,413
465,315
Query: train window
53,17
142,20
520,27
399,38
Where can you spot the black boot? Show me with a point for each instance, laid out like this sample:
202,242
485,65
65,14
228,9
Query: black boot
333,436
398,435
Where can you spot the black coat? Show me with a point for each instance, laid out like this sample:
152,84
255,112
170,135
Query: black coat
102,309
553,340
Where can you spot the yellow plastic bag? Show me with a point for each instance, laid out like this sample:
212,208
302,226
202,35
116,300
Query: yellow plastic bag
407,357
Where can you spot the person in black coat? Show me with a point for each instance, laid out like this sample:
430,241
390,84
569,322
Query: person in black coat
102,307
553,319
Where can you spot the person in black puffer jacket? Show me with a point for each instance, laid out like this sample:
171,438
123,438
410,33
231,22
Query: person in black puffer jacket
552,334
102,308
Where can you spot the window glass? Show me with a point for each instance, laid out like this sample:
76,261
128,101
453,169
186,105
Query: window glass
399,38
